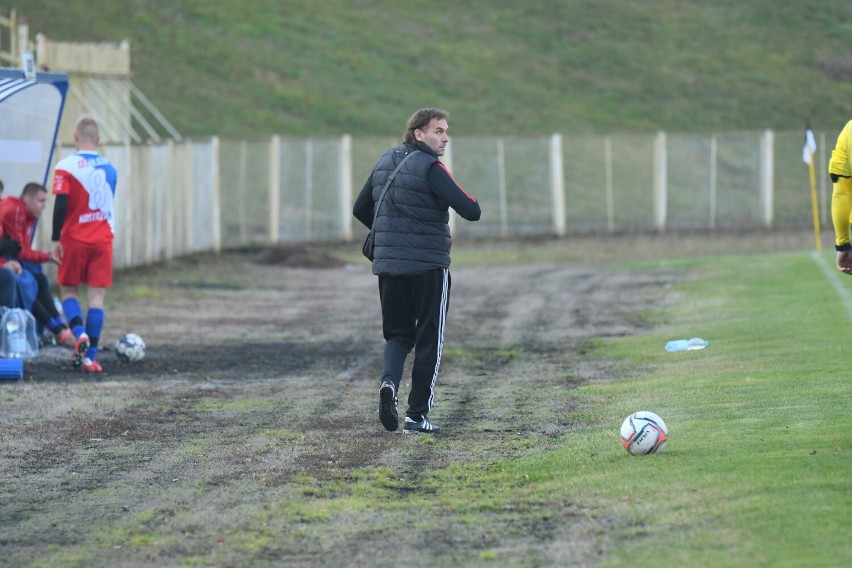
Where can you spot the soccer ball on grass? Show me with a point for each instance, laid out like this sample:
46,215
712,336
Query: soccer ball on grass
130,347
644,432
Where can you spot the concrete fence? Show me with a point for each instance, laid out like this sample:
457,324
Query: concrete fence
176,198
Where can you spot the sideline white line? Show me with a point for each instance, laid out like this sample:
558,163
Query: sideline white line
833,276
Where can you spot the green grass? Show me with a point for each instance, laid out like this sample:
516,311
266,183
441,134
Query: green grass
757,470
249,69
759,463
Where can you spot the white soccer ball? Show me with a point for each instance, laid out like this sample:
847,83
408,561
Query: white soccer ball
643,433
130,347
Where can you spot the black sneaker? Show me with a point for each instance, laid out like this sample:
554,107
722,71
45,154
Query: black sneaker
424,426
387,406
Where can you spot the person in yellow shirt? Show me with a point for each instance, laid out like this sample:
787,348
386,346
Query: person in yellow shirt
840,170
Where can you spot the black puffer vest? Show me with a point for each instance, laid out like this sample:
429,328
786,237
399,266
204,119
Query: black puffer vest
412,234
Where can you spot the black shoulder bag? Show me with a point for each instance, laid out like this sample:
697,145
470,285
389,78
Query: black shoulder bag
370,241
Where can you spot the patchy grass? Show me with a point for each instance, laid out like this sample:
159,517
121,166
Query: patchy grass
290,465
758,462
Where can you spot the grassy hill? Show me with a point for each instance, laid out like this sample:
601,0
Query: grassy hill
248,68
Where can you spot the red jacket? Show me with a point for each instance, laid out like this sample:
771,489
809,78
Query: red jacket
17,222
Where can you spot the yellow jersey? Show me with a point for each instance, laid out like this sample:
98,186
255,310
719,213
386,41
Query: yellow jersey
841,196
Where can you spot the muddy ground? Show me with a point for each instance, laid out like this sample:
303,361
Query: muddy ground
261,380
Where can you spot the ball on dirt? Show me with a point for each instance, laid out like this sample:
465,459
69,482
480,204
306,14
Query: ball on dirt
643,433
130,347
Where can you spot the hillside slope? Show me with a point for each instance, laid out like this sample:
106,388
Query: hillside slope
251,68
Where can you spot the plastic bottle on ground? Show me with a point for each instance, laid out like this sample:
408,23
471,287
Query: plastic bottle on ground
686,344
17,331
16,334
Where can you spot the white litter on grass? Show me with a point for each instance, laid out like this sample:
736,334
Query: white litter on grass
687,344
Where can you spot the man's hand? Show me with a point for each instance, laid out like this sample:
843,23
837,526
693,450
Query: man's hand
844,261
9,246
14,266
56,252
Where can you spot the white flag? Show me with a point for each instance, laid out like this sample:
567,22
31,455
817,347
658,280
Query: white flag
810,147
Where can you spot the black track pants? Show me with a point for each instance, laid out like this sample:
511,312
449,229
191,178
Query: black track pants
414,310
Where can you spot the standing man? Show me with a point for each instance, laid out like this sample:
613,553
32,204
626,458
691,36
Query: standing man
840,170
412,260
83,229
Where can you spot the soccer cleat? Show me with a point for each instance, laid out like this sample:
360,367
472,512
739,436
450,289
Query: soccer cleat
66,338
424,426
80,348
90,366
387,406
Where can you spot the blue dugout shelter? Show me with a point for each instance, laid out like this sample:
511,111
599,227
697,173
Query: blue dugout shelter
30,112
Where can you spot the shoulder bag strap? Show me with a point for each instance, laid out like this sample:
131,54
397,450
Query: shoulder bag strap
385,188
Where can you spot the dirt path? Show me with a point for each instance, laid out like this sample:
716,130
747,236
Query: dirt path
260,384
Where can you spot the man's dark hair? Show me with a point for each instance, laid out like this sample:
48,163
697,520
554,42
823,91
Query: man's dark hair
32,188
420,119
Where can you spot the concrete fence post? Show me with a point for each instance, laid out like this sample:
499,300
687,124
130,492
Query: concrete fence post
345,168
610,191
766,177
714,159
274,194
557,185
447,160
169,199
215,194
501,188
660,181
188,219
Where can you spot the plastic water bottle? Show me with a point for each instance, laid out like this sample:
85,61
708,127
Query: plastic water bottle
686,344
16,334
17,331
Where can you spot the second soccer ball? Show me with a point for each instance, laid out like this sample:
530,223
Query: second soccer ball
130,347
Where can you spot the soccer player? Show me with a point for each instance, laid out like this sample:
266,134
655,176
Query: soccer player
18,216
840,170
412,260
83,229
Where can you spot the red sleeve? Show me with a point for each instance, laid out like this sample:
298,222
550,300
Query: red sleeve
16,225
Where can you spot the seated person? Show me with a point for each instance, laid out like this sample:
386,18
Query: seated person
18,216
31,292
